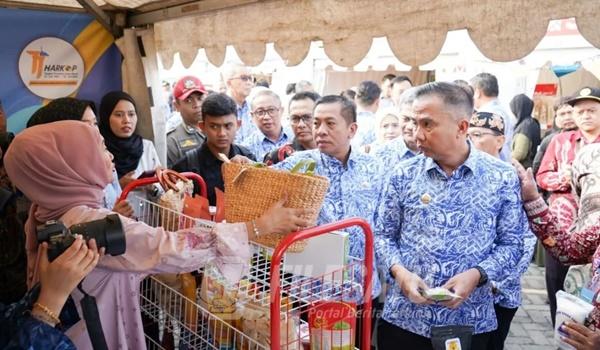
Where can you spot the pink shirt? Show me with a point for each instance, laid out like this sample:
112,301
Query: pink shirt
115,282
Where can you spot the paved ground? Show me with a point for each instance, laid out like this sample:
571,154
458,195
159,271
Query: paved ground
531,328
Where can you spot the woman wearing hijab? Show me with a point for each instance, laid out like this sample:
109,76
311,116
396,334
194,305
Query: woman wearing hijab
527,136
132,154
76,167
65,108
572,236
68,108
387,128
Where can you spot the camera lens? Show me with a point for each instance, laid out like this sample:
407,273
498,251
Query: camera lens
107,232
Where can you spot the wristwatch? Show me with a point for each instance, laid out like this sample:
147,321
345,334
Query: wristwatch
483,279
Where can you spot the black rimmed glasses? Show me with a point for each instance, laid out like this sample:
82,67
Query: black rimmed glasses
475,135
271,111
296,119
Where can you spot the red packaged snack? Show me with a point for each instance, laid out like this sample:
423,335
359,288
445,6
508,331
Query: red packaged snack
332,325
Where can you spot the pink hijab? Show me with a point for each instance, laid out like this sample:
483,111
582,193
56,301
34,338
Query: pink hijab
58,166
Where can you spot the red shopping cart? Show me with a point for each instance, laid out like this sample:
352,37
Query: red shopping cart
332,298
272,290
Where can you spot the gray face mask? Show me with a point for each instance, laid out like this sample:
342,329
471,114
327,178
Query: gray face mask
586,182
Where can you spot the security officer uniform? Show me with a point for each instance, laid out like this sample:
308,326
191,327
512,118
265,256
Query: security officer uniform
180,140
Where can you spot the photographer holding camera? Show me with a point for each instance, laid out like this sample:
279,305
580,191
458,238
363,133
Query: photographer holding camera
30,323
63,168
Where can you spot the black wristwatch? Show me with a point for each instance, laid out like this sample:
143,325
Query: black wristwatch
483,279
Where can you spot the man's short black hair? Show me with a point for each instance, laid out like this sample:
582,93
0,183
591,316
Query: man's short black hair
388,76
349,94
368,93
487,83
263,83
465,85
348,107
218,105
290,88
400,79
305,95
454,96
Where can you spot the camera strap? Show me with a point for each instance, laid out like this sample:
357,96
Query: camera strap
92,320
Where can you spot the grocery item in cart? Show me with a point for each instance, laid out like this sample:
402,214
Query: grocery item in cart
184,284
255,322
250,191
173,199
222,329
332,325
216,295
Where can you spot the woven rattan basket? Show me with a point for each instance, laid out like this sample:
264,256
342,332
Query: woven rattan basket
250,191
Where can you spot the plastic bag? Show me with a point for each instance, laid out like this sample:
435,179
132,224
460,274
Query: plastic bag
572,309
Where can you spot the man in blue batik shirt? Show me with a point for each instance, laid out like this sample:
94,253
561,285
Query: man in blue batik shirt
486,133
354,176
266,115
451,217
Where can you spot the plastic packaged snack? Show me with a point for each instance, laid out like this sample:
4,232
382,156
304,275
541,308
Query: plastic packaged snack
439,294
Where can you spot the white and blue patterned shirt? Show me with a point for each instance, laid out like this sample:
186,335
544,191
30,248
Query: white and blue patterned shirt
247,128
112,192
393,152
260,145
508,293
353,192
437,226
366,133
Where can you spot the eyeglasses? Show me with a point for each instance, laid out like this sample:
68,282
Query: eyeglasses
306,118
478,135
271,111
243,78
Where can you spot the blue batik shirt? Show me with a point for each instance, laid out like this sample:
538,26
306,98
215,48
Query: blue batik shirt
260,145
365,133
353,192
393,152
112,192
19,330
247,128
508,290
438,226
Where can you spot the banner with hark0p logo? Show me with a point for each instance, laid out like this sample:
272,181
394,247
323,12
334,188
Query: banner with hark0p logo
47,55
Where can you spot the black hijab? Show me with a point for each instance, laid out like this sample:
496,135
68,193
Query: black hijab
522,106
64,108
127,151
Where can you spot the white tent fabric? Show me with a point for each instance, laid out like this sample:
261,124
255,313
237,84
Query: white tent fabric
130,4
415,29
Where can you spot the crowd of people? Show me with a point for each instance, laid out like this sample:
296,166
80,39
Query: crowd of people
443,173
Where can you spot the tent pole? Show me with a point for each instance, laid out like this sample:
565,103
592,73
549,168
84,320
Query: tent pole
102,17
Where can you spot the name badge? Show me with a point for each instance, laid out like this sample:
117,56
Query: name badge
188,143
426,198
453,344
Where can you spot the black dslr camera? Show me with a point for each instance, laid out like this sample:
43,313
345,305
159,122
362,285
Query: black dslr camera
108,233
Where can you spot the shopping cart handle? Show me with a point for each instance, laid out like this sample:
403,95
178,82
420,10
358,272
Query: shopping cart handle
152,180
275,286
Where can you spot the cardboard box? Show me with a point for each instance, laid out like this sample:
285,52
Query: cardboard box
324,256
